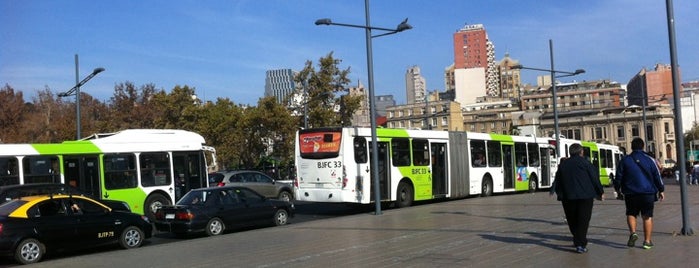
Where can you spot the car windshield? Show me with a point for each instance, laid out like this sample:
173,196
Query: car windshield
10,206
195,198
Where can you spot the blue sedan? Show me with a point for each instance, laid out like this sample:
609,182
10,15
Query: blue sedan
215,209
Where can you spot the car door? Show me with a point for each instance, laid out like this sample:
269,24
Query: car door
257,207
94,223
233,210
263,184
54,226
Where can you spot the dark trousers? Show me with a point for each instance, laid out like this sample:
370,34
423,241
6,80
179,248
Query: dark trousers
578,213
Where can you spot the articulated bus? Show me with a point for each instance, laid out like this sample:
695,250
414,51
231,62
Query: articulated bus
606,157
333,165
146,168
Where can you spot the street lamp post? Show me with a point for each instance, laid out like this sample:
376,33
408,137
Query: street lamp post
553,91
372,107
76,91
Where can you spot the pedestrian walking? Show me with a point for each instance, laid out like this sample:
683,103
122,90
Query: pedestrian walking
577,185
639,180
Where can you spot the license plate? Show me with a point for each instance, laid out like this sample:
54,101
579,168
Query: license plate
169,216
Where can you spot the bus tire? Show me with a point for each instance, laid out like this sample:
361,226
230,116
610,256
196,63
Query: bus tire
487,187
404,195
533,183
153,203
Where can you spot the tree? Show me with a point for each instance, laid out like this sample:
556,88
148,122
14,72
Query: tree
268,130
133,108
12,114
324,109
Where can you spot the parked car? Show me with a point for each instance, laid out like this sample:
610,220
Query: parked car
213,210
32,225
10,192
258,181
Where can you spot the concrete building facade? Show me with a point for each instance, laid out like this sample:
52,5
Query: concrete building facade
415,85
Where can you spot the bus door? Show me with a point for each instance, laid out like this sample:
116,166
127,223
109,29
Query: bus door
545,160
82,171
384,170
508,170
190,172
438,153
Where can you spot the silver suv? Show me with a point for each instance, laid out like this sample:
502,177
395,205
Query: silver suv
255,180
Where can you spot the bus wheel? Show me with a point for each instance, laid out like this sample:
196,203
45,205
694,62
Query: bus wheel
487,187
404,196
533,184
153,203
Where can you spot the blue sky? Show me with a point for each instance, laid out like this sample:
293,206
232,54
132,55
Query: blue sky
223,48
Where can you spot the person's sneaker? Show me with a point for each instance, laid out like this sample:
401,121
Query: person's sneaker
632,240
647,245
581,249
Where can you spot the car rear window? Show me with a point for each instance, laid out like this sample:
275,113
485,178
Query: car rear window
10,206
215,177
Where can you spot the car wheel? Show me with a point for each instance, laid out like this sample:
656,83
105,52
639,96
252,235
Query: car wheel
131,237
281,217
29,251
153,203
285,196
215,227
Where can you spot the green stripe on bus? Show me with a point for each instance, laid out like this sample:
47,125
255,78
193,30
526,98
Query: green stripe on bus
81,147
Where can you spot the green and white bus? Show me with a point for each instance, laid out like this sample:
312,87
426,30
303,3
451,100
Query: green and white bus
606,157
146,168
333,164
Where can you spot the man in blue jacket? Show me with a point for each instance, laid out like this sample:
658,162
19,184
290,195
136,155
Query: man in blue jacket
638,179
577,184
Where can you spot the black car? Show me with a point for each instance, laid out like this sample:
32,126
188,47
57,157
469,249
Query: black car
10,192
215,209
32,225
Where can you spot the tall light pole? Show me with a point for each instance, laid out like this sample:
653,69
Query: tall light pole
553,91
372,106
76,91
679,142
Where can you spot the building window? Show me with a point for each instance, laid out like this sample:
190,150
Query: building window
634,131
649,132
576,134
444,121
667,127
391,114
400,113
620,133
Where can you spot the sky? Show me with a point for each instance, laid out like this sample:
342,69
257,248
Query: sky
223,48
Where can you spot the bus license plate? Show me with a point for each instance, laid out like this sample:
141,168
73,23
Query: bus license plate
169,216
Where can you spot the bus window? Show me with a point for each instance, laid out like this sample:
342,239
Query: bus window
421,152
400,152
533,150
360,150
494,154
478,158
603,158
119,171
9,173
155,169
586,153
41,169
595,159
521,154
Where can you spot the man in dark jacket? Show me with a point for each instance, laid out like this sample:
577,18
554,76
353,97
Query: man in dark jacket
638,179
577,185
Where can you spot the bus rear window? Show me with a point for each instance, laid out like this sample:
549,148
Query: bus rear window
319,145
